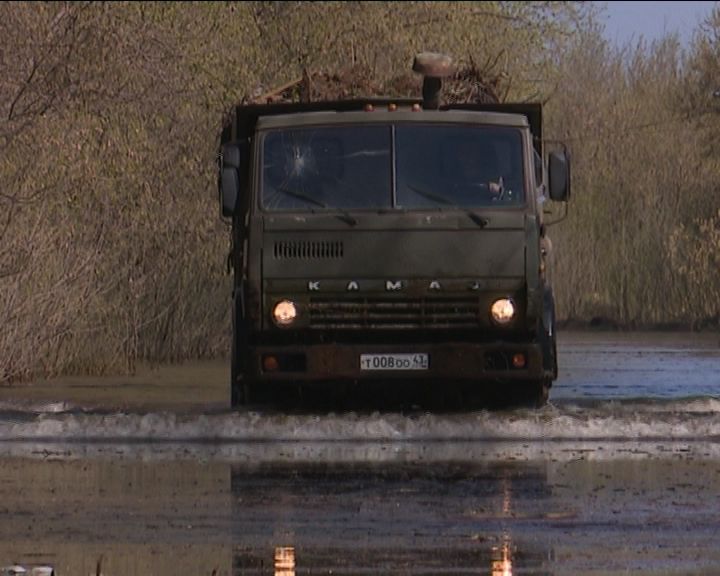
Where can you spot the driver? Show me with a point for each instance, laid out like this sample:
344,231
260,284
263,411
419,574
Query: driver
478,171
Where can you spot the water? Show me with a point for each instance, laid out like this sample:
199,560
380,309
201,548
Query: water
612,387
619,473
615,420
638,365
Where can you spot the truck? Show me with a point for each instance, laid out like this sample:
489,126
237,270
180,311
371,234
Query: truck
388,240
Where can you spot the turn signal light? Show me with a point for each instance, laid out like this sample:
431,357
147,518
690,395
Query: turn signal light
270,364
518,360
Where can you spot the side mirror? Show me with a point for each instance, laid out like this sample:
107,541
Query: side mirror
229,184
559,177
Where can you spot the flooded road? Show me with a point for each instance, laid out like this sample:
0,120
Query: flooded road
620,473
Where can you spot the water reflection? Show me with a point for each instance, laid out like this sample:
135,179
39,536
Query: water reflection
84,516
213,518
389,518
501,564
208,517
284,561
500,560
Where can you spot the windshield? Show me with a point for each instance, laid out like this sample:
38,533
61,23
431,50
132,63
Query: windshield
417,166
329,167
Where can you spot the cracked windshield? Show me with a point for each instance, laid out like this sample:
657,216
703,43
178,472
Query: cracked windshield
436,167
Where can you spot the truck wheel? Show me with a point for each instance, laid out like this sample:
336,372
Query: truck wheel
548,342
239,387
542,393
237,394
241,393
533,394
547,336
236,397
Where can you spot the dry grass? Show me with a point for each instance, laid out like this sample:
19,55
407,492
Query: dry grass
639,247
111,248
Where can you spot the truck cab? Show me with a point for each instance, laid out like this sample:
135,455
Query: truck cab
385,240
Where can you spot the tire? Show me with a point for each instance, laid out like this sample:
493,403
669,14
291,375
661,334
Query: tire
236,398
242,392
237,394
532,394
536,393
238,387
547,336
541,393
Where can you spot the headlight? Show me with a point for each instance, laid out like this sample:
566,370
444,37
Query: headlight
502,311
284,313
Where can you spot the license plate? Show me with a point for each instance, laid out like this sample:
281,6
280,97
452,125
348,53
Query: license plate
394,362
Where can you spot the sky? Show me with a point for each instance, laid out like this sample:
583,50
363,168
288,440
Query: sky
626,22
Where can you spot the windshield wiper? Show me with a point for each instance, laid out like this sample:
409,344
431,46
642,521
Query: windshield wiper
301,196
432,196
479,220
475,217
342,214
345,217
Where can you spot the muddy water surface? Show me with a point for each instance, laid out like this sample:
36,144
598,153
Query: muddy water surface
154,475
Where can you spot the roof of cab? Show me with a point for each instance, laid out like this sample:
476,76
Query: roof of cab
384,116
245,119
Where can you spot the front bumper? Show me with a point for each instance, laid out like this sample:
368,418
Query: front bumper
460,361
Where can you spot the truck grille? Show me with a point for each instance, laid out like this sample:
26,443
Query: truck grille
302,250
387,313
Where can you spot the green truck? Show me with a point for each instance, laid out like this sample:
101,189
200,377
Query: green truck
391,239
